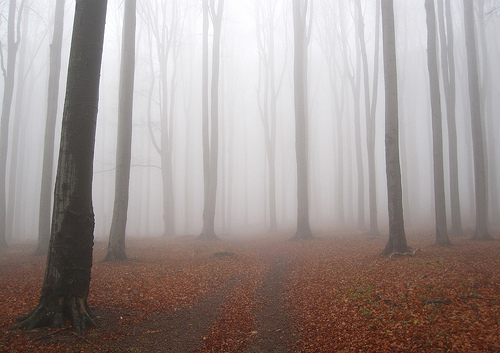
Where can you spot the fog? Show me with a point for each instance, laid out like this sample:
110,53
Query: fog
243,200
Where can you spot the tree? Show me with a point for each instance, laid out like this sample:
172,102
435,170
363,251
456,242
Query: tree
67,276
50,129
478,145
397,237
437,128
370,108
211,145
301,130
448,73
13,38
116,244
266,13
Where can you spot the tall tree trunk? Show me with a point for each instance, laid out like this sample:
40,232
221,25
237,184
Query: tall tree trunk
478,145
116,244
8,91
397,237
301,140
50,130
437,128
19,115
370,117
67,276
208,231
448,73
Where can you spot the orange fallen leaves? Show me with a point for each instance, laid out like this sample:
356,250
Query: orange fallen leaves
341,295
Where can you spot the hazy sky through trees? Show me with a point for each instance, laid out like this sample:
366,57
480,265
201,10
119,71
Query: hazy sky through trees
243,176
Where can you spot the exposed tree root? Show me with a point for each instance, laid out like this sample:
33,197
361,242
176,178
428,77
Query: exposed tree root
55,315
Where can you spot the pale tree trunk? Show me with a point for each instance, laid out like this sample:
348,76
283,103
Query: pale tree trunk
266,13
14,187
50,129
437,128
354,77
489,126
448,73
116,244
397,237
67,276
208,231
8,91
478,146
369,115
301,140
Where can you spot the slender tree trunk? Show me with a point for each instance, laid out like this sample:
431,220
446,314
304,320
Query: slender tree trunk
19,115
8,91
67,276
208,231
397,237
478,145
437,128
301,140
50,129
370,118
448,73
116,244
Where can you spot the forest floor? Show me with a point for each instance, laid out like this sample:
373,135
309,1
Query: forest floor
332,294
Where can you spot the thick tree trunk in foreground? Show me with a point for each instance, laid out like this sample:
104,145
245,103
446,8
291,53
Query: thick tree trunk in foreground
50,130
301,140
116,244
397,237
478,145
69,261
437,128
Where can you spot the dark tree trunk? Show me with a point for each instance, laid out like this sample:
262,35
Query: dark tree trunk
301,140
437,128
116,244
50,130
69,261
397,237
478,145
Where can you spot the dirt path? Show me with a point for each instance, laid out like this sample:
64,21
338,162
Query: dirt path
181,330
275,332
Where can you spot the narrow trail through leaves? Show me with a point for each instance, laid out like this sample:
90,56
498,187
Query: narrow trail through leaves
333,294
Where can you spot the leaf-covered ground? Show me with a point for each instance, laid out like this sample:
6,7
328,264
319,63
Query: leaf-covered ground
332,294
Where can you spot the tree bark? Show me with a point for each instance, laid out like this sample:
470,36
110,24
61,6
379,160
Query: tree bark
478,145
50,130
116,244
67,276
397,237
437,128
301,140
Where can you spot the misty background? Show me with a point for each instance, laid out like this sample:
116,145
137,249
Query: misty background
334,111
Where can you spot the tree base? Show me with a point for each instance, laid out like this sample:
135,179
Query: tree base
303,235
208,235
482,236
115,256
55,315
